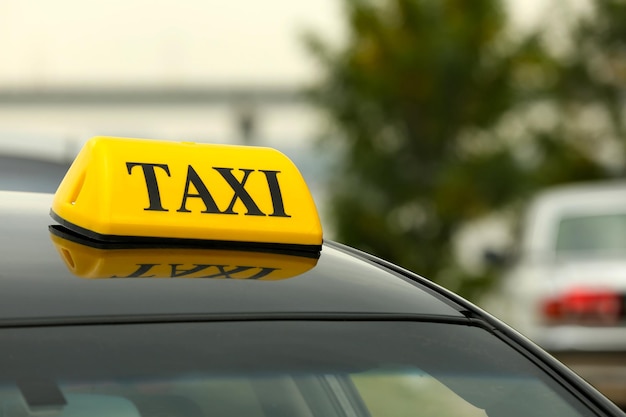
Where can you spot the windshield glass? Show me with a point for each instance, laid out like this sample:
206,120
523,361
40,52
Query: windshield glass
274,368
594,235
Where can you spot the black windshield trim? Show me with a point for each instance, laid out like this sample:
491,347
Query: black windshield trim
191,318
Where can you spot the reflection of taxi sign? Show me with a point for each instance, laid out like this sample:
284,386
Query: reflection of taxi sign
143,190
90,262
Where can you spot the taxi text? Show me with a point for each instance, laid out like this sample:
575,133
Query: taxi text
240,193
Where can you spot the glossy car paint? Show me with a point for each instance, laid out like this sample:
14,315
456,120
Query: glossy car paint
38,290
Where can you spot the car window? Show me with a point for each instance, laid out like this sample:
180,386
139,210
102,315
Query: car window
409,394
593,234
273,368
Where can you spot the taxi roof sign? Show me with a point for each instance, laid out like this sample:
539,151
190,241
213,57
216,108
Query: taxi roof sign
140,190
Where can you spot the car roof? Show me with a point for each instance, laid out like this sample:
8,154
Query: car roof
38,288
586,196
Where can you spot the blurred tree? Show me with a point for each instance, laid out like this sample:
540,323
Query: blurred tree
446,115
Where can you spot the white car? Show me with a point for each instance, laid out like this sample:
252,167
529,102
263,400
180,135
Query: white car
567,288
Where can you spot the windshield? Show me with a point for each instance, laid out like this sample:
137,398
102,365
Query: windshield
272,368
592,234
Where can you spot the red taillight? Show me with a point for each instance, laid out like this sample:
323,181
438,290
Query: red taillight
583,306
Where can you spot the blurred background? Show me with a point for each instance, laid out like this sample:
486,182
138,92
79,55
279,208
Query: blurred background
197,70
436,134
421,128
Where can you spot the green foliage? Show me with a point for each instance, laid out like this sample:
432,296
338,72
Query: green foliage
445,115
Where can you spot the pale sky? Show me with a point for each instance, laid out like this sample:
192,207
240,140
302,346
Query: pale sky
172,42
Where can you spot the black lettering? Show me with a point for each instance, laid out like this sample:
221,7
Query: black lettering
263,273
182,272
203,193
228,274
277,196
240,192
143,268
151,182
177,271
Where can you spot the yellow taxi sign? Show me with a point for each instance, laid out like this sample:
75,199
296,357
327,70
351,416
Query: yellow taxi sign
86,261
120,188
